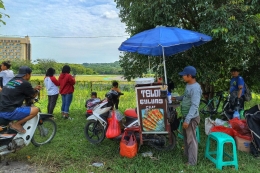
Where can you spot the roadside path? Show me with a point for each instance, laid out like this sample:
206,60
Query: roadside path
21,167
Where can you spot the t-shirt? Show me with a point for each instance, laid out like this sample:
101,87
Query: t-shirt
190,101
235,82
51,84
7,75
14,93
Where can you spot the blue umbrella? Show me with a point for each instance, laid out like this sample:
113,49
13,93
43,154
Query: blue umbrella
163,41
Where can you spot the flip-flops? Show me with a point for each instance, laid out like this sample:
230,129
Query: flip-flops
20,130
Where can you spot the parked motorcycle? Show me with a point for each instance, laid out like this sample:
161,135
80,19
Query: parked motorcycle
39,130
97,124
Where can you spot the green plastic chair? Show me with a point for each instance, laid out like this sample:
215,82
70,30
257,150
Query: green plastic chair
180,135
221,139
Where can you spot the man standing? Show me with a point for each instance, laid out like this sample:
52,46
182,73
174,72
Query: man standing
189,109
12,97
237,89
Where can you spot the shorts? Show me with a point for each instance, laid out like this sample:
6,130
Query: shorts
18,114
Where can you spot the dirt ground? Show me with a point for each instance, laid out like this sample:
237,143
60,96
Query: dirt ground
21,167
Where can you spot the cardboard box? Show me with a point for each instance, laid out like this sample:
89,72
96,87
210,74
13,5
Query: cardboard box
242,144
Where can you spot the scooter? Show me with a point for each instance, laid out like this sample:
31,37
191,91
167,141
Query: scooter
39,130
95,128
97,124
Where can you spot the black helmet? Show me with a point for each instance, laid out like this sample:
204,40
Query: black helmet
112,94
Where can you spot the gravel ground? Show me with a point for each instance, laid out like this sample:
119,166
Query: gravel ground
21,167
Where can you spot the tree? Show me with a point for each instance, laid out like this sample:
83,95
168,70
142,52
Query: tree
233,24
2,14
42,65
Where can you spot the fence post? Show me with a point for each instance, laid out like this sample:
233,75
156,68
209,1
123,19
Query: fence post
90,86
39,95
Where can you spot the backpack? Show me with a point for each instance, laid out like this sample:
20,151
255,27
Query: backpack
248,94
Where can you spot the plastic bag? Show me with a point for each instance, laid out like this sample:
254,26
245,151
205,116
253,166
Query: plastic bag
219,122
209,123
241,129
113,129
223,129
119,116
240,126
128,145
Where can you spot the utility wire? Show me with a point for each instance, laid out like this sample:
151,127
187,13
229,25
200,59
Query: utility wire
66,36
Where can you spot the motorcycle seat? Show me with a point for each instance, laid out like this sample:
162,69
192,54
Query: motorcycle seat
130,113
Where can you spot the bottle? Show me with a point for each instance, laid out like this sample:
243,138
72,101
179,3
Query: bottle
236,115
169,95
241,113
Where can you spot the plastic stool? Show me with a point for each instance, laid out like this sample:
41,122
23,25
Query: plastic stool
221,139
180,135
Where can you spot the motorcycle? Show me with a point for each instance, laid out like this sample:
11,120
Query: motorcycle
39,130
95,128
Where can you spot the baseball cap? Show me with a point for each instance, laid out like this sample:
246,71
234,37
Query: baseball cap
23,70
188,70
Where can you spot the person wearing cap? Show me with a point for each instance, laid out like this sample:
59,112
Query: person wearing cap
12,97
91,103
237,89
51,84
189,109
6,74
67,82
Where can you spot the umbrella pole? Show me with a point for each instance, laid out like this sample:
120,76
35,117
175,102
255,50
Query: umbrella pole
164,66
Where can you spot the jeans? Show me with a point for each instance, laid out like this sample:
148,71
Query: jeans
66,101
52,103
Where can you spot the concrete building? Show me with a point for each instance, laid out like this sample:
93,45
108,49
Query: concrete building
15,48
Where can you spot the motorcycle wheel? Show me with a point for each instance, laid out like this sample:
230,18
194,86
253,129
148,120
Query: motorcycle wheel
94,132
44,133
165,143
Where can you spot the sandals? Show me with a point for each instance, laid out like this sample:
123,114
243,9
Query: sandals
18,130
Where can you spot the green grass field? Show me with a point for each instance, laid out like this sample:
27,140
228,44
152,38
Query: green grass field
70,152
88,77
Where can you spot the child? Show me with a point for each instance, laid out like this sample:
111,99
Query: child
91,103
189,108
115,88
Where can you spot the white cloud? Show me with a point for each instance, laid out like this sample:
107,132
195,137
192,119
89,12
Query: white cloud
110,14
59,18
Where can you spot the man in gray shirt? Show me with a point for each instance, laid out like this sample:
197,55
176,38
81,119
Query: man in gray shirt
189,109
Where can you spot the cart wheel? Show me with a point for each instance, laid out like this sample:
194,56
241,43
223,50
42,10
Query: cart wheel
163,142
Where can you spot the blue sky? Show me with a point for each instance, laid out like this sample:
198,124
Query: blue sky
67,18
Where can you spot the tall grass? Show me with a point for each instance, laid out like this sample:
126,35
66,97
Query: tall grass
71,152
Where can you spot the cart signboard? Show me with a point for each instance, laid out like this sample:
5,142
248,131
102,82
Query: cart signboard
151,109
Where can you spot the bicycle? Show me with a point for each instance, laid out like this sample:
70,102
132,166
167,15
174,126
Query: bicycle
211,107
